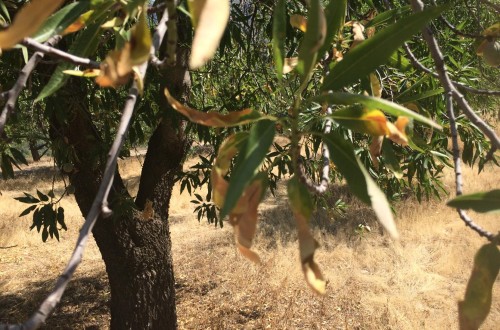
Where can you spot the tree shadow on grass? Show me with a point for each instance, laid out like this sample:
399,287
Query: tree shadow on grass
84,305
278,222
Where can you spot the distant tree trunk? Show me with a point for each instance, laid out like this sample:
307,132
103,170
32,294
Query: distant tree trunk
136,251
35,154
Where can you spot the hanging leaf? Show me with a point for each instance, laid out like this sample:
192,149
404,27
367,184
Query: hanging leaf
299,22
313,40
372,103
226,152
375,149
335,13
357,34
480,202
209,18
251,156
27,21
290,64
359,180
302,207
140,40
391,160
279,35
375,51
474,309
61,20
244,217
216,119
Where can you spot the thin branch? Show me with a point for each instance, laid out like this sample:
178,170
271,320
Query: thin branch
13,94
67,57
98,206
452,93
458,170
454,29
419,66
491,5
448,84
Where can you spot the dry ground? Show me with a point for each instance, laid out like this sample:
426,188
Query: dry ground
373,283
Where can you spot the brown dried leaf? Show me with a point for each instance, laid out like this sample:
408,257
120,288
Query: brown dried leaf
298,22
357,32
27,21
375,149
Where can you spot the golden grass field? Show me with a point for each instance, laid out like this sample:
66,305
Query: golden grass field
373,282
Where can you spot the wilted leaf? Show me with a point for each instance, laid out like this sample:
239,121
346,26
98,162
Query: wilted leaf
27,21
140,40
375,148
298,22
115,21
213,118
79,23
474,309
290,64
359,180
375,85
209,18
363,120
492,31
357,34
302,207
116,69
479,202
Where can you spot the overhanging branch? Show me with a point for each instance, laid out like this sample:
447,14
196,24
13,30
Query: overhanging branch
99,205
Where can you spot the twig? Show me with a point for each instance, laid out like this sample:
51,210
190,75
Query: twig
325,170
28,42
452,93
13,94
419,66
453,28
458,170
448,84
98,206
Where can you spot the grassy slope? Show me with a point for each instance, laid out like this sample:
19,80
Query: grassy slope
374,283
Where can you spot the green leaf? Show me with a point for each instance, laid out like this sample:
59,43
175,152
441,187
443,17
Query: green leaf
359,180
254,151
28,210
279,35
375,51
84,45
335,13
388,16
474,309
4,10
313,40
372,103
479,202
60,20
420,96
390,159
18,156
300,199
398,61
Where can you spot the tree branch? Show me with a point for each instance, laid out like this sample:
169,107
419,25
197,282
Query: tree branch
13,94
419,66
100,202
448,84
67,57
458,170
454,29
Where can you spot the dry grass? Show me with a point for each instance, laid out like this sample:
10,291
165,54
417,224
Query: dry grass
374,283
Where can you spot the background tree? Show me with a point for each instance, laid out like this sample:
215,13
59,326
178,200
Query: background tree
338,67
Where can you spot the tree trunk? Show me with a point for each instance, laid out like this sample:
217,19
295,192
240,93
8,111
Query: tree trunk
136,250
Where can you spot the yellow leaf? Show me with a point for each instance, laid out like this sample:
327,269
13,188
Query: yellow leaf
375,85
79,23
27,21
298,22
140,40
210,18
89,73
213,118
116,21
116,69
